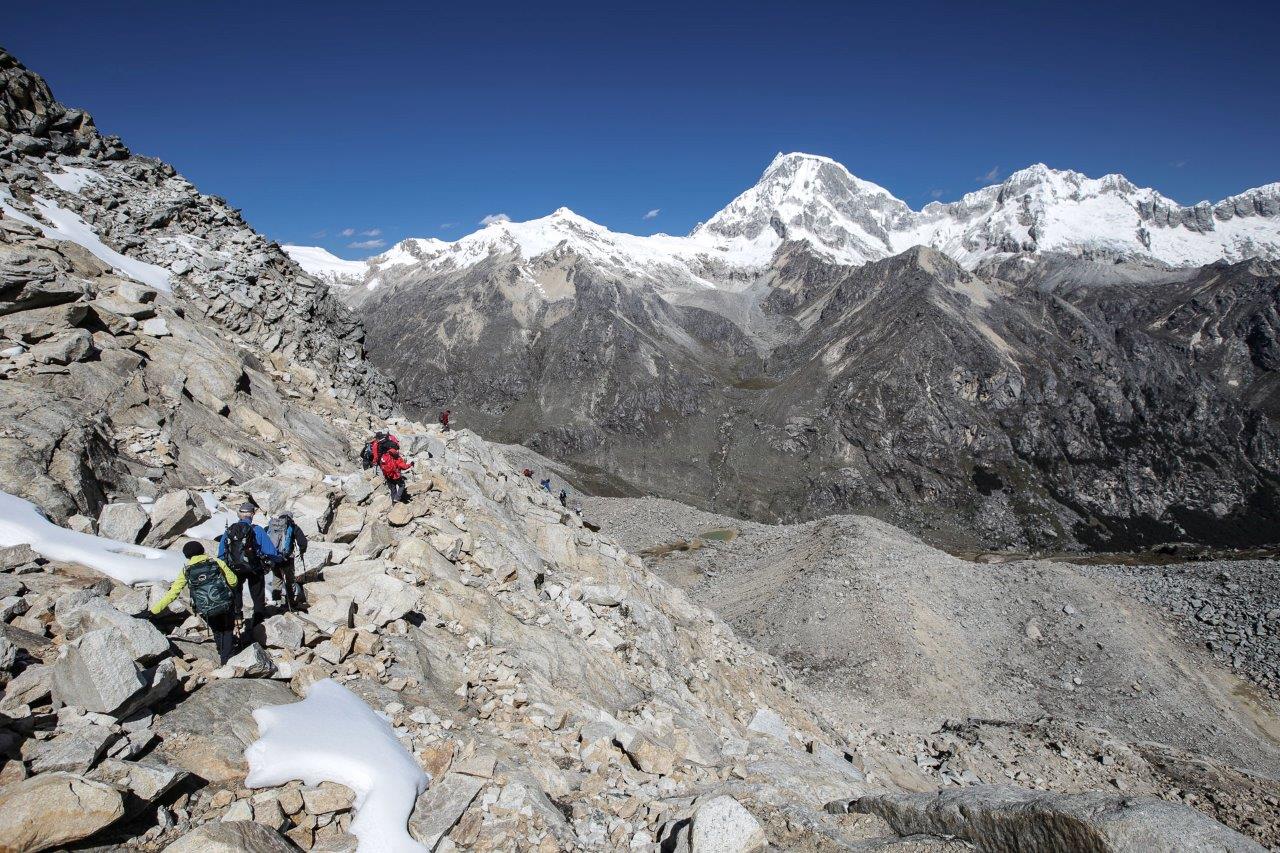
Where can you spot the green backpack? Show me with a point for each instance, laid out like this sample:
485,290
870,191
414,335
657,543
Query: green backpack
210,593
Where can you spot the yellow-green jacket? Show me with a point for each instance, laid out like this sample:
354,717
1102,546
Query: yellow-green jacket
181,583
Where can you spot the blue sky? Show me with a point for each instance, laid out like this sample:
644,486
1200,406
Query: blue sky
329,122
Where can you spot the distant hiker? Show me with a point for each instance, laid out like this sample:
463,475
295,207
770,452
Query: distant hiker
564,498
546,484
212,586
371,455
288,539
444,419
528,472
248,550
393,468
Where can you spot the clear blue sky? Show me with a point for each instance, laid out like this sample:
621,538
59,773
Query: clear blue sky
417,121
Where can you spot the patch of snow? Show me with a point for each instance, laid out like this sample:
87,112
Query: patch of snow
220,518
68,226
22,523
333,736
72,179
325,265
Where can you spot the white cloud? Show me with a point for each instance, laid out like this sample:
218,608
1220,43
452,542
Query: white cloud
989,176
317,235
347,232
494,218
367,244
653,214
936,194
372,232
448,225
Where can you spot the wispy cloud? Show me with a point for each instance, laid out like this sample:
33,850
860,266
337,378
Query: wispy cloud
494,218
448,225
989,176
936,194
653,214
1178,164
372,232
318,234
367,244
347,232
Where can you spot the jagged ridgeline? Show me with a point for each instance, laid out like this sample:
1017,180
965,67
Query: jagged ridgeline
1052,362
190,334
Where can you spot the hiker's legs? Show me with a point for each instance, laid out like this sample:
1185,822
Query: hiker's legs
258,595
286,572
224,636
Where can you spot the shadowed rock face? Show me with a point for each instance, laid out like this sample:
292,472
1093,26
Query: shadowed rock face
1069,408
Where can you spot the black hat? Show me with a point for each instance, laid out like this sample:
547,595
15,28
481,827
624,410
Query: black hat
192,549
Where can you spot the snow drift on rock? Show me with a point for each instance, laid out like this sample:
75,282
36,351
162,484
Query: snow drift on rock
333,736
22,523
68,226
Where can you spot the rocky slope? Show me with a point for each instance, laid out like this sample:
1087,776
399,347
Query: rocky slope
558,694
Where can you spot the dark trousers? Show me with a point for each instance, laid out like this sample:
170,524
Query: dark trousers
257,594
399,494
284,572
223,627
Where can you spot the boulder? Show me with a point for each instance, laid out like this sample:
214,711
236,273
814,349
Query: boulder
415,553
55,809
97,672
123,522
232,837
283,631
207,733
379,598
16,557
252,662
173,514
143,640
347,523
722,825
147,779
1018,820
64,349
76,751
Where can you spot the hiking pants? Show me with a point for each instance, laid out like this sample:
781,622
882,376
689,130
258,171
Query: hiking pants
257,594
284,573
398,492
223,627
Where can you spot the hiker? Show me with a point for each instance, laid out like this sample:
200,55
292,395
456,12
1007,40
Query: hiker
546,484
247,549
444,419
371,455
393,468
528,472
564,498
212,591
287,536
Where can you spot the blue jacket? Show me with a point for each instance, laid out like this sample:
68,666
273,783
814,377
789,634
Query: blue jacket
265,546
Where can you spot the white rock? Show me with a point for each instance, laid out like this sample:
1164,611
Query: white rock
722,825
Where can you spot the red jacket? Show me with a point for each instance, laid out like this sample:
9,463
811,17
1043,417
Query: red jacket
393,465
378,445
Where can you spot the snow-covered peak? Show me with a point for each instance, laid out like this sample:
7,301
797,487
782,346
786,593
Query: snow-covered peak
810,199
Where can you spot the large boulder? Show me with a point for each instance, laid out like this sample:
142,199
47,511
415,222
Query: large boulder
54,809
172,514
143,640
1016,820
723,825
97,672
123,522
241,836
207,733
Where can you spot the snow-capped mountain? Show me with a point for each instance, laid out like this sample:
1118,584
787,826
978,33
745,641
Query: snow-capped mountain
817,201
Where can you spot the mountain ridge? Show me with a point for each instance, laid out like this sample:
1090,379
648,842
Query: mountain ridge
817,200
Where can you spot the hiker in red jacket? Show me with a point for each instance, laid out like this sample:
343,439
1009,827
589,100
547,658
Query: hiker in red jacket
393,468
444,419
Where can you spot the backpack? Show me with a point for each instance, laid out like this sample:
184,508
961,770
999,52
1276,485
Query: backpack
242,548
280,530
211,595
366,455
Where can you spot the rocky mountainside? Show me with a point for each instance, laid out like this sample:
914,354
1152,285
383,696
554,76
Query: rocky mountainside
800,354
477,669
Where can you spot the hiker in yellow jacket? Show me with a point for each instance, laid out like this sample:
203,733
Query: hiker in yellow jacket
212,593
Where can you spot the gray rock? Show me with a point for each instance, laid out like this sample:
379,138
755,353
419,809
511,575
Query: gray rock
1017,820
722,825
143,640
123,522
232,837
76,751
207,733
147,779
18,556
172,514
55,809
441,806
64,349
97,672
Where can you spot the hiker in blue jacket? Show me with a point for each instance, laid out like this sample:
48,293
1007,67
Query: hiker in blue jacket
249,551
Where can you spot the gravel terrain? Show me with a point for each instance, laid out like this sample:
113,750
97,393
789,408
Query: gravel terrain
1230,608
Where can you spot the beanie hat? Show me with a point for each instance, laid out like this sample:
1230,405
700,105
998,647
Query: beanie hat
192,549
247,507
